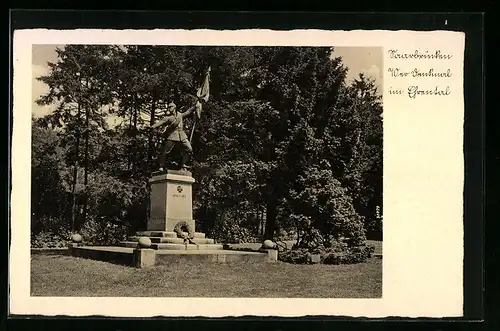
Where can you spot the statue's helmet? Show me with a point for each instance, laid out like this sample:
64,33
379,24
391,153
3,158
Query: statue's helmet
165,109
171,108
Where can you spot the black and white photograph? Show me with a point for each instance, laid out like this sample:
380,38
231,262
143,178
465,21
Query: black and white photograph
206,171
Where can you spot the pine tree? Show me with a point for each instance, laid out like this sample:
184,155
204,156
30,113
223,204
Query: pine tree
78,86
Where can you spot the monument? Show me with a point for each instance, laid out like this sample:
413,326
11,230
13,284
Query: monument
170,224
170,232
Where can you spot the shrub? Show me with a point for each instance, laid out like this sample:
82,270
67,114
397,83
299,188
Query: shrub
228,228
312,240
232,232
48,239
49,224
103,231
49,232
286,235
352,255
110,196
296,256
324,210
334,255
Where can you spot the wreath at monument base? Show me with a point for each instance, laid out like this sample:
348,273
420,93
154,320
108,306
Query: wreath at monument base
180,228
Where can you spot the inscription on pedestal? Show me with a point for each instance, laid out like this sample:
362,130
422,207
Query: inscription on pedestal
179,193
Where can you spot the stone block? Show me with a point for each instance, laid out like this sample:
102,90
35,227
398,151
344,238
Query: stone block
315,258
187,247
272,255
144,258
113,254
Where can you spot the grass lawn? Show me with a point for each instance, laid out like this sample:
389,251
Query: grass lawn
56,275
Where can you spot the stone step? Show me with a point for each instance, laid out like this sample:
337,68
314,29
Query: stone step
171,240
166,246
129,244
187,247
165,234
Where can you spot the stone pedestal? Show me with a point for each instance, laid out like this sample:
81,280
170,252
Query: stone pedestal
170,201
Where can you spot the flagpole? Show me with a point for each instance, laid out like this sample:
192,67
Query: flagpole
192,131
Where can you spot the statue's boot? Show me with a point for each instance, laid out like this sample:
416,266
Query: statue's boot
186,157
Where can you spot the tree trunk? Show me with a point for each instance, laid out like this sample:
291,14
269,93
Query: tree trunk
272,192
262,221
129,156
75,174
134,155
271,213
86,161
151,133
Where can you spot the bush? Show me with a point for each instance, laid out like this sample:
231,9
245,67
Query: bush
324,209
286,235
296,256
312,240
109,196
103,231
352,255
49,232
228,228
48,239
232,232
48,224
333,255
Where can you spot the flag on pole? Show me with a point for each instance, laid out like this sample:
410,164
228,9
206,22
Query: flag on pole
203,92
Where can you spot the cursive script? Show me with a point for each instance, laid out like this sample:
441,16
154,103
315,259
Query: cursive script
414,91
420,73
419,55
431,80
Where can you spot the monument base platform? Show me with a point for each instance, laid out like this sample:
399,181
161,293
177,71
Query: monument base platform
172,246
163,240
173,240
143,258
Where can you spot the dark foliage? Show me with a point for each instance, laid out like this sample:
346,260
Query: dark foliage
344,255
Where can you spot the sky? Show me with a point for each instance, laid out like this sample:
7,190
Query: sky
367,60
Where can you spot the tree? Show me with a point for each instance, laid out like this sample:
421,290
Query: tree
48,193
280,131
78,85
362,172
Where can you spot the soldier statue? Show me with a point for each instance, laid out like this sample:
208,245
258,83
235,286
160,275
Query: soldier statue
174,135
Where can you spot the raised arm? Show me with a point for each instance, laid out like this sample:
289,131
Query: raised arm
188,112
159,123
